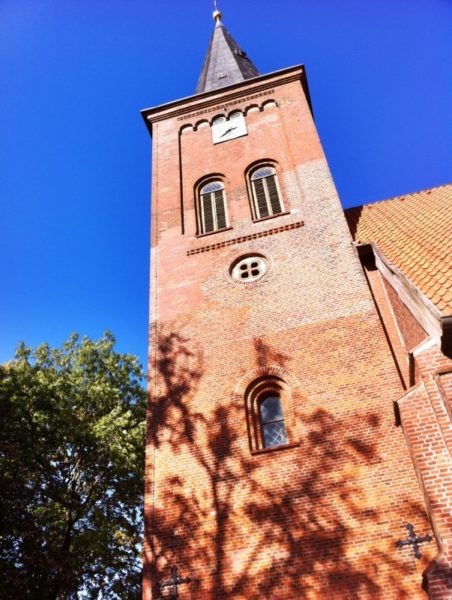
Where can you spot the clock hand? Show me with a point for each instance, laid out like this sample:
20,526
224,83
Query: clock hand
228,131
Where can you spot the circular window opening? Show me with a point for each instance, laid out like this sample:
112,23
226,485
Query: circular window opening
249,268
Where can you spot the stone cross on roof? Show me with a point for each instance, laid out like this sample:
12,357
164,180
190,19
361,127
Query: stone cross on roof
225,63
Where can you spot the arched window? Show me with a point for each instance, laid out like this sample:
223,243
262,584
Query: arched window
212,207
272,422
272,409
265,191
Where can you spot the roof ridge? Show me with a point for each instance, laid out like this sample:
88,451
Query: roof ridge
409,194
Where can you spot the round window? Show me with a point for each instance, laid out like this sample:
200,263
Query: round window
249,268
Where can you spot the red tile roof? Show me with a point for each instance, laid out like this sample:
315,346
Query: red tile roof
414,232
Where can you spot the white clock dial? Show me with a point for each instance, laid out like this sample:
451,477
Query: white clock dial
229,130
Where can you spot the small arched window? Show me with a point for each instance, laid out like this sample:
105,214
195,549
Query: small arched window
272,422
265,191
272,409
212,207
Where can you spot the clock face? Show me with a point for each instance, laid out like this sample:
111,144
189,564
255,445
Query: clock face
224,131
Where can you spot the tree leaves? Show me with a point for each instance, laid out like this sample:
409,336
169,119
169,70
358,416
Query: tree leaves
71,471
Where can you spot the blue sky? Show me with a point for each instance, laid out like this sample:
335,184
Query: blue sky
75,155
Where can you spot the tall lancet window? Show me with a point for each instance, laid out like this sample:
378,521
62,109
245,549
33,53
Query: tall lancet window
266,194
212,207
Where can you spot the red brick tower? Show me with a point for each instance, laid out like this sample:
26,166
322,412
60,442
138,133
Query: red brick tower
275,467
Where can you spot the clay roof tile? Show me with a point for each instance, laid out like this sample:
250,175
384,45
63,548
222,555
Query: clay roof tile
414,232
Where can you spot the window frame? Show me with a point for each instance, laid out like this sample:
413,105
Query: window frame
263,397
237,266
267,194
200,206
260,388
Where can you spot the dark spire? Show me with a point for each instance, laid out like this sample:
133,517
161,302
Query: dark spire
226,63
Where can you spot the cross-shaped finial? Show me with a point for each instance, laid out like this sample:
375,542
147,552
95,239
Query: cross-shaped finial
413,540
174,582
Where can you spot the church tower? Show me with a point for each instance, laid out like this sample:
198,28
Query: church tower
275,466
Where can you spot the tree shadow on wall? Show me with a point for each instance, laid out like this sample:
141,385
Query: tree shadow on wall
276,525
266,355
177,371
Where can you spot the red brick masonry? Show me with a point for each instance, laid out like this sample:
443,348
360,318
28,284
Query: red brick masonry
320,518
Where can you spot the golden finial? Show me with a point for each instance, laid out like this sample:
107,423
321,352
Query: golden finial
216,13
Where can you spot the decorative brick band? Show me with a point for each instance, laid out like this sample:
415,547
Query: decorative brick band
225,105
246,238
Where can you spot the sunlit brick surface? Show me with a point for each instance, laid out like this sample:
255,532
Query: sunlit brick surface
315,520
411,331
445,380
426,420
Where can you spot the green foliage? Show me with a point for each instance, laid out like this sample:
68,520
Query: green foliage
71,472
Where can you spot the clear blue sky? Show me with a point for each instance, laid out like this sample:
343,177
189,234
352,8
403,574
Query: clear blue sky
75,154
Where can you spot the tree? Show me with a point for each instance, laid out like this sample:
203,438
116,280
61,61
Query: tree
71,472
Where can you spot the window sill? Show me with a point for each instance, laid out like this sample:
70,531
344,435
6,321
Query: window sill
275,448
201,235
281,214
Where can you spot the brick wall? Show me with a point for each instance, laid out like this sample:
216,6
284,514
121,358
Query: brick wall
445,384
427,425
319,518
425,413
389,323
411,331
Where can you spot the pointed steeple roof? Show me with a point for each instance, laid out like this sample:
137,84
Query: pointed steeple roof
225,63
